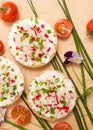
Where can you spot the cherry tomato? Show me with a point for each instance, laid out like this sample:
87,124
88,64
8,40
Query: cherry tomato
63,28
89,27
21,115
1,47
8,12
62,126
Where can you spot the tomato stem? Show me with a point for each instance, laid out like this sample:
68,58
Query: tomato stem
2,9
90,33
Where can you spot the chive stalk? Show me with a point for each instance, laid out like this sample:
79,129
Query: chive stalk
32,7
78,119
83,83
57,62
85,124
15,125
77,76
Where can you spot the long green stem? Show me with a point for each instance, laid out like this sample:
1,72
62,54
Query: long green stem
15,125
84,83
78,119
35,124
32,7
77,76
53,62
82,116
59,66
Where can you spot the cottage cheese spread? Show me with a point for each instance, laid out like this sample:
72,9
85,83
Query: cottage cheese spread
52,95
11,82
32,42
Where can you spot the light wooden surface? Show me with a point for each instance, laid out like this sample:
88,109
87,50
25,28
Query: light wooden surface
49,10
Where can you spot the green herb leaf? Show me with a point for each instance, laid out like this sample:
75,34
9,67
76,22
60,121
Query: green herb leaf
3,98
37,59
57,80
14,87
48,31
63,102
52,110
37,39
45,90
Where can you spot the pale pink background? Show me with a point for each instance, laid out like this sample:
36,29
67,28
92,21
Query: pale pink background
49,10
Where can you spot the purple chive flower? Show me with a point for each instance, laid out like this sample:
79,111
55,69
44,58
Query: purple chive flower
68,54
73,57
2,114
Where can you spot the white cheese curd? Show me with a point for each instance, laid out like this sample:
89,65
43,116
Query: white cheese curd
52,95
32,42
11,82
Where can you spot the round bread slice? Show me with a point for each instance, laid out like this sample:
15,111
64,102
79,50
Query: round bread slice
51,96
32,42
11,82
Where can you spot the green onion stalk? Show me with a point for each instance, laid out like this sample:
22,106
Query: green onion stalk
15,125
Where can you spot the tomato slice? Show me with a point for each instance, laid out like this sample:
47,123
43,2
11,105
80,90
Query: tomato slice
89,27
1,47
63,28
62,126
21,115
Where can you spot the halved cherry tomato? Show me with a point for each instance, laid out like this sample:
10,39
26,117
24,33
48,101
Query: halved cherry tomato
62,126
21,115
63,28
89,27
8,12
1,47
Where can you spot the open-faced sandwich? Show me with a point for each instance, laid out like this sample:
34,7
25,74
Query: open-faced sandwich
11,82
32,42
51,96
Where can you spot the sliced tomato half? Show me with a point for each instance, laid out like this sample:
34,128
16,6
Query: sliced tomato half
62,126
21,115
63,28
